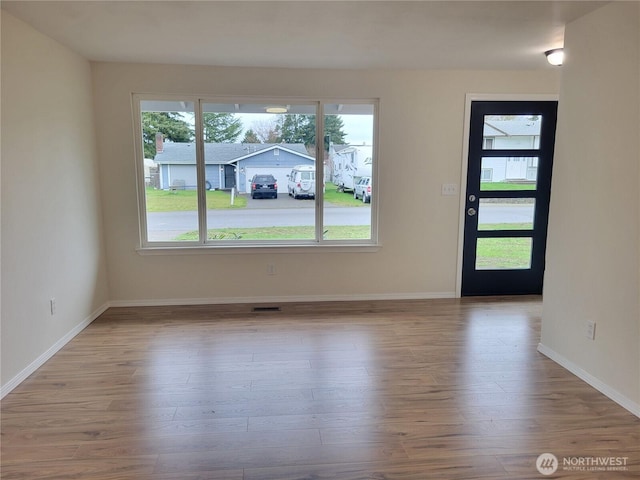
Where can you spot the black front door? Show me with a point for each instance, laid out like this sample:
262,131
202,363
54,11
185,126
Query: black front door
507,199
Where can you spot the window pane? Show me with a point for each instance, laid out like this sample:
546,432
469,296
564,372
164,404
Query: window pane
508,173
170,170
348,170
506,213
511,132
503,253
260,171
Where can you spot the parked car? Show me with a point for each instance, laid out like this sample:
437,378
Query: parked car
264,186
362,189
302,181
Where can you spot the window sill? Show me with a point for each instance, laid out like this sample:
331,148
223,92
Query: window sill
256,249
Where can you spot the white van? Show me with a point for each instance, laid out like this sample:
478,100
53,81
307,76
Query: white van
302,181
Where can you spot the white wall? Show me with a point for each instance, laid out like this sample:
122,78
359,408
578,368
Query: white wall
51,217
421,130
594,232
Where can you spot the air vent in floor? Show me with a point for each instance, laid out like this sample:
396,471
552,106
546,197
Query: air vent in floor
265,309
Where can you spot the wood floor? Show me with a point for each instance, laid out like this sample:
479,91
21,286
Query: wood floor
415,390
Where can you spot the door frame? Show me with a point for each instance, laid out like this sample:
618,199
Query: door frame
486,97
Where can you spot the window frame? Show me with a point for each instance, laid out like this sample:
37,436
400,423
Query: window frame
203,245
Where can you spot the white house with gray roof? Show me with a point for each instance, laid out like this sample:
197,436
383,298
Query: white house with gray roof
510,134
228,165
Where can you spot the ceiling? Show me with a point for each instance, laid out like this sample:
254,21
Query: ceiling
309,34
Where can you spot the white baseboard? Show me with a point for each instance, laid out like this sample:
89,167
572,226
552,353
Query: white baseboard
280,299
585,376
38,362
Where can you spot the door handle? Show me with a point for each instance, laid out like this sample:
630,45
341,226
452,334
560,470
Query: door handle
471,212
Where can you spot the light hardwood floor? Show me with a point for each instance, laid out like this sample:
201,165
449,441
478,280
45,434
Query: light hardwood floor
412,390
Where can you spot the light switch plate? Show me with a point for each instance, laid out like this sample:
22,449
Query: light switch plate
449,189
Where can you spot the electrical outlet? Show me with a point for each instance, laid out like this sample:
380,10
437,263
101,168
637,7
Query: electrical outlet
590,331
52,306
271,269
449,189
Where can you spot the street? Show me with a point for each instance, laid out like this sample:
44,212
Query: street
491,213
286,212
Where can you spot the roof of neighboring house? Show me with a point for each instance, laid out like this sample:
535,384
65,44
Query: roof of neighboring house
337,147
354,148
222,153
502,128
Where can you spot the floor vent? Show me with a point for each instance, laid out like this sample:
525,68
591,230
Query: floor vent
265,309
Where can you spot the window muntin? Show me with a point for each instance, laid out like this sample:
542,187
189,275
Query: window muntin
229,143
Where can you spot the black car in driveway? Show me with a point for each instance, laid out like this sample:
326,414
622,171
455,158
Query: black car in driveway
264,186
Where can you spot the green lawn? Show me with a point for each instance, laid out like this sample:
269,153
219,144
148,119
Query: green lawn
186,200
498,253
493,186
342,199
492,253
505,226
283,233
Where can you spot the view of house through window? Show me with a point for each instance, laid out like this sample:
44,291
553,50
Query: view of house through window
509,173
257,177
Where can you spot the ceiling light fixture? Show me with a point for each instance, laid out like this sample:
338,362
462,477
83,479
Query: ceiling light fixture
555,56
276,109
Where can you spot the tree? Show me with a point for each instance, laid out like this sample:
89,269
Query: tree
267,131
172,125
333,133
296,128
221,127
250,137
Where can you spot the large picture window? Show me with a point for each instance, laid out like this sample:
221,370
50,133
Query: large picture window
242,173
